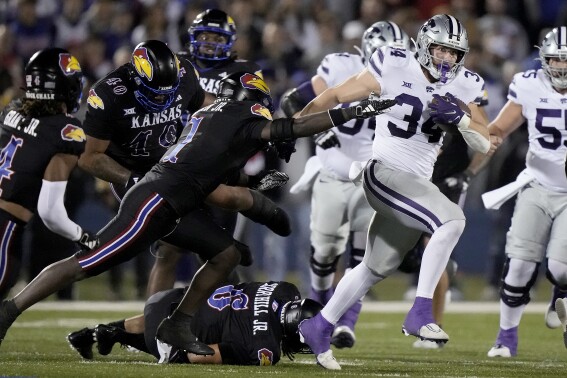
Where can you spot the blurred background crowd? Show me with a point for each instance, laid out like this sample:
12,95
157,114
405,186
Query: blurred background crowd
288,39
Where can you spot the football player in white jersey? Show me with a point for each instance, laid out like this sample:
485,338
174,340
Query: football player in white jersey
339,212
432,88
540,216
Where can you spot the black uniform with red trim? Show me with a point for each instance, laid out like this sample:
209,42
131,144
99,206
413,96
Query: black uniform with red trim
218,140
243,319
28,144
138,139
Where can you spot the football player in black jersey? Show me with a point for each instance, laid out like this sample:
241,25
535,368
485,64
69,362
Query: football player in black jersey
211,38
245,324
40,145
134,114
217,142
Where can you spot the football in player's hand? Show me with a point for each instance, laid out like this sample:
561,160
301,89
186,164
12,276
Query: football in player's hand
446,107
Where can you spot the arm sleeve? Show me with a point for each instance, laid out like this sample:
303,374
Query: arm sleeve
51,209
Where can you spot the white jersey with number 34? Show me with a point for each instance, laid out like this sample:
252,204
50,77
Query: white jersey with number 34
406,137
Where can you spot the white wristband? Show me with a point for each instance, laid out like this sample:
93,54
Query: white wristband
464,122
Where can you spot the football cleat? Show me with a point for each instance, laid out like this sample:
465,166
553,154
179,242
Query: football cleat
178,334
551,319
328,361
561,309
431,332
499,350
8,314
427,344
82,341
316,332
105,338
343,337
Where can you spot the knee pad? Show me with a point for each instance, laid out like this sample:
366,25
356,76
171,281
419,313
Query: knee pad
323,269
515,296
560,270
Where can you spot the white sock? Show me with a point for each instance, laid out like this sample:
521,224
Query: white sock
436,256
352,287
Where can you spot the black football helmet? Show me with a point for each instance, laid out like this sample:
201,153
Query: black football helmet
155,73
214,21
54,74
246,86
292,314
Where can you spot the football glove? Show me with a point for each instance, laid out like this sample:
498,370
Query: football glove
447,110
87,241
284,148
266,180
133,180
369,108
327,139
453,186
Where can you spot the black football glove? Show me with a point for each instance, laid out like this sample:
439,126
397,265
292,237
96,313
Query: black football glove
327,139
266,180
133,180
284,148
453,186
87,241
370,107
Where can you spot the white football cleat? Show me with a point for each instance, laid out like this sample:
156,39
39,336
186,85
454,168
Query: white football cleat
561,309
499,351
431,332
427,344
551,318
328,361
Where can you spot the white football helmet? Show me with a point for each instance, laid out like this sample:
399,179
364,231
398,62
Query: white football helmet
442,30
554,45
383,33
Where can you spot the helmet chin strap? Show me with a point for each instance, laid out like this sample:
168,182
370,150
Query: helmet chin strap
443,69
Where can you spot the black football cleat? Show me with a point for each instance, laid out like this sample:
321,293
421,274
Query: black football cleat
105,338
82,341
8,314
178,334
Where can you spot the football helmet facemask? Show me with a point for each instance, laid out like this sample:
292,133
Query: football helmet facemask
245,86
212,21
155,74
291,315
383,33
54,74
554,45
442,30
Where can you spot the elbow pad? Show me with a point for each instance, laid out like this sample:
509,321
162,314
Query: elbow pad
282,129
51,209
475,140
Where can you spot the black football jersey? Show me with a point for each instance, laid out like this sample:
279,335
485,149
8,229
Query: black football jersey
210,77
218,140
28,144
137,138
244,320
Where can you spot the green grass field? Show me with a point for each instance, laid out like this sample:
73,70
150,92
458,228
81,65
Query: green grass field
36,346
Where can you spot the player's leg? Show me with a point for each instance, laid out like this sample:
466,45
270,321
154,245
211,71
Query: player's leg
329,233
359,214
11,231
526,245
162,274
556,265
143,217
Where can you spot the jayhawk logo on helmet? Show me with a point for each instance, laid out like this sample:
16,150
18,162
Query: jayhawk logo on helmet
95,101
261,110
251,81
142,63
69,64
73,133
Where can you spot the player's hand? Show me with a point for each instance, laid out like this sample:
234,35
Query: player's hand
449,110
266,180
455,185
370,107
495,142
88,241
133,180
327,139
284,148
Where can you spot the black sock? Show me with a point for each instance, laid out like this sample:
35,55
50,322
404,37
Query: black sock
119,324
